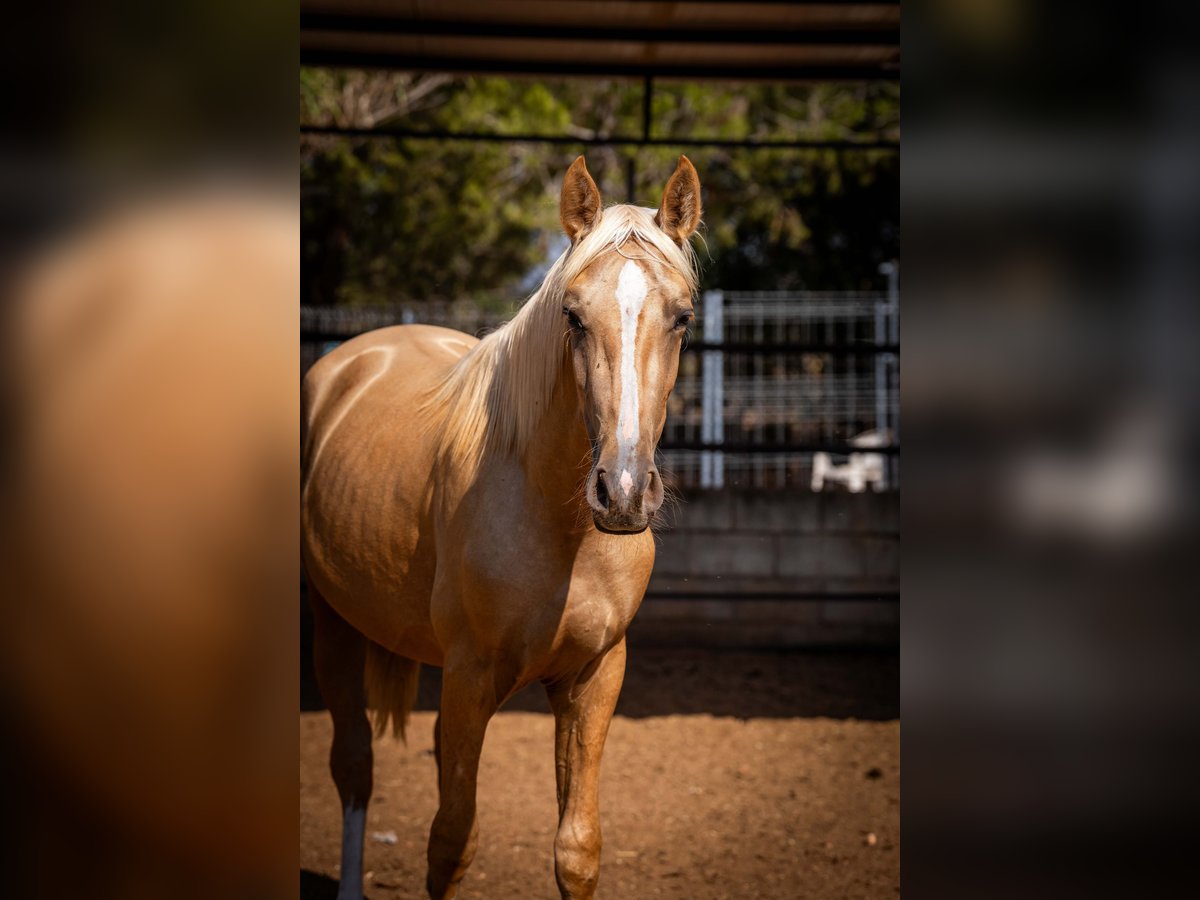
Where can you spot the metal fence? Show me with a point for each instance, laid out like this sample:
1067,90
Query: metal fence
768,383
323,327
780,377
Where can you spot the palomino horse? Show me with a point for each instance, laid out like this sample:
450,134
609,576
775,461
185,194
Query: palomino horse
483,506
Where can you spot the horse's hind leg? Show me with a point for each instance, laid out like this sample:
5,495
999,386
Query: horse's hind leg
583,708
339,654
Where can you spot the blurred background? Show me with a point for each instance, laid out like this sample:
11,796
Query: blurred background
433,141
1051,201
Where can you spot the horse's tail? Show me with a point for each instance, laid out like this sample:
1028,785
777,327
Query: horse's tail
391,688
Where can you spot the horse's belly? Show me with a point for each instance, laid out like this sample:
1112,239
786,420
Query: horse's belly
374,565
368,532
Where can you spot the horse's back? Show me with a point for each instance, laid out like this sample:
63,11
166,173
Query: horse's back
410,357
369,454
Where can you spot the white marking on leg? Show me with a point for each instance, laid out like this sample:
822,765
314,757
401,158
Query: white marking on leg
626,481
631,296
354,824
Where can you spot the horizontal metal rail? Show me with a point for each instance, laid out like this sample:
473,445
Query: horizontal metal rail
780,596
787,2
354,59
397,25
754,349
738,348
598,141
762,447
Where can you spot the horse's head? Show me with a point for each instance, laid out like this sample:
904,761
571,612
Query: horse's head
627,312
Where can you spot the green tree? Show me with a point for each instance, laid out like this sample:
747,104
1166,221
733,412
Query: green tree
418,219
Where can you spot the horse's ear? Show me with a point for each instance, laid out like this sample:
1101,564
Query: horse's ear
579,206
679,213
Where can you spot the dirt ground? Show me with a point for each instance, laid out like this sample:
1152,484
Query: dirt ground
726,775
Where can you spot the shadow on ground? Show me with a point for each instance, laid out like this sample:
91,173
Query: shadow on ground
663,681
317,887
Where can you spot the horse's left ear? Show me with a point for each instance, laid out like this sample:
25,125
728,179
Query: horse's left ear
679,213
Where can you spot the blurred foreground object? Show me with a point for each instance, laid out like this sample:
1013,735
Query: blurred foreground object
1050,678
148,649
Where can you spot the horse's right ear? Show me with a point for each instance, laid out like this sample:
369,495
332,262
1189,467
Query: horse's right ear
579,206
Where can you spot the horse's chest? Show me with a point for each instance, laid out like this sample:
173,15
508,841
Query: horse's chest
529,580
593,620
603,595
568,603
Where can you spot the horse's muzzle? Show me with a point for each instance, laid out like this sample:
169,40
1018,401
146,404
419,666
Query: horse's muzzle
624,504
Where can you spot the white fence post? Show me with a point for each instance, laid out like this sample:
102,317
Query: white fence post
882,394
892,364
712,422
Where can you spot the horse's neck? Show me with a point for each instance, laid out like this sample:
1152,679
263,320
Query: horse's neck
558,458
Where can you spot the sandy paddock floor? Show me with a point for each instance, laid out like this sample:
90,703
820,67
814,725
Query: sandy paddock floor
726,775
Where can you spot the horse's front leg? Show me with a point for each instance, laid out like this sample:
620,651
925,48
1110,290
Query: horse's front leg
468,703
583,707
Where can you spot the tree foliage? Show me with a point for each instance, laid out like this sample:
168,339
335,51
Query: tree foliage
390,219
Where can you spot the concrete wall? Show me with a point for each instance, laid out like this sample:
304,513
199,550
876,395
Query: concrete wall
731,557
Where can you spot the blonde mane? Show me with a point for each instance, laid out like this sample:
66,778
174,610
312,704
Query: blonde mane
493,399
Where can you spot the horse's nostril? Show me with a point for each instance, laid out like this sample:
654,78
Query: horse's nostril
652,496
601,489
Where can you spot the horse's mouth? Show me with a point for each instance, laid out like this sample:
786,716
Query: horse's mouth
622,524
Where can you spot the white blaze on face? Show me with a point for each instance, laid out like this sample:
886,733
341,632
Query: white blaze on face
631,296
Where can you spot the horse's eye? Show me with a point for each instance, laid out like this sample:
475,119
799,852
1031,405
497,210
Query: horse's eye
684,320
573,320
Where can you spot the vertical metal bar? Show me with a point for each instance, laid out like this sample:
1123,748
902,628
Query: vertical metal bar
631,180
892,270
848,361
647,106
759,392
706,398
894,398
779,333
697,393
712,471
832,393
719,390
882,394
780,415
